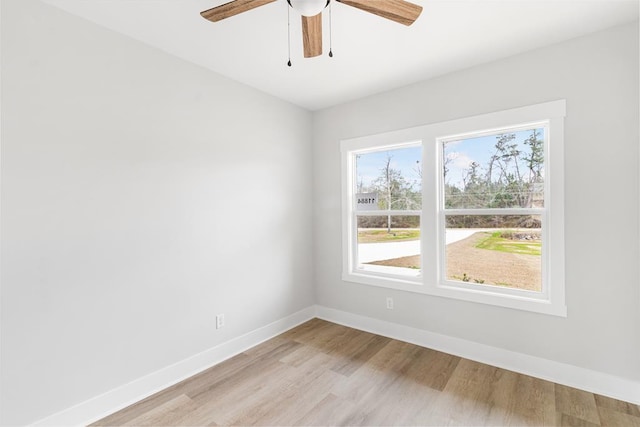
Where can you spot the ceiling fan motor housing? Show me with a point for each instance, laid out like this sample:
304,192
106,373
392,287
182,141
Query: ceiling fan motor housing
308,7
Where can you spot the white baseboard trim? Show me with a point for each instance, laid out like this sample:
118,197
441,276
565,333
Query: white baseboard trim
584,379
557,372
100,406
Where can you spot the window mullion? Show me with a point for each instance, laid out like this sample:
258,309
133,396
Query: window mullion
497,211
391,212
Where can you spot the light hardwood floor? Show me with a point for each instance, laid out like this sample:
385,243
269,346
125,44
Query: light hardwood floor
323,374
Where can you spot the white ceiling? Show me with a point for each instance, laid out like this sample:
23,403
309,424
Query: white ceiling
371,54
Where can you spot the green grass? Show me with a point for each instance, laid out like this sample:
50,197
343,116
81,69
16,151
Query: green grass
381,235
495,242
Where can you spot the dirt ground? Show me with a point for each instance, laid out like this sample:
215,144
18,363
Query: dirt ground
494,267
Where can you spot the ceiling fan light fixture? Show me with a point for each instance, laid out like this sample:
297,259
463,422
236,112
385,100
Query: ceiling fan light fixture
308,7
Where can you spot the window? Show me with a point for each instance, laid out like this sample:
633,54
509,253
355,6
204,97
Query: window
385,221
492,190
469,209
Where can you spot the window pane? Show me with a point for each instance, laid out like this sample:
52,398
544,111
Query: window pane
500,250
503,170
392,177
389,244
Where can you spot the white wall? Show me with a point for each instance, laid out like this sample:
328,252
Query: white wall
598,77
141,195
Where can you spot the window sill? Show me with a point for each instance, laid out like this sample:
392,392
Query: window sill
400,282
536,303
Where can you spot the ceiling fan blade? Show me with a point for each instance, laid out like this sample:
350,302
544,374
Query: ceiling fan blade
232,8
312,35
397,10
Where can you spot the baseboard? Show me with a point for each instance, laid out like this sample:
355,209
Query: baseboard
123,396
584,379
561,373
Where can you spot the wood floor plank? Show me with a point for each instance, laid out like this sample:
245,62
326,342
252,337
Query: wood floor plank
298,393
305,331
169,413
501,401
289,403
350,347
299,356
533,403
577,403
130,412
231,395
616,405
268,347
247,382
228,400
358,353
613,418
475,394
326,337
398,403
330,411
420,378
321,373
203,379
378,373
342,341
566,420
431,368
256,366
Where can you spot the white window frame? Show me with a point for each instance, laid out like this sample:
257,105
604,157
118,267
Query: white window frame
432,281
350,225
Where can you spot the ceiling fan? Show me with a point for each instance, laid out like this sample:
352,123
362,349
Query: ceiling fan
400,11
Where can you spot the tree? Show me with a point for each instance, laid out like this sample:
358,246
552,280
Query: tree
394,191
511,177
535,163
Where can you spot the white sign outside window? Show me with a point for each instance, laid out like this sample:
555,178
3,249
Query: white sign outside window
367,201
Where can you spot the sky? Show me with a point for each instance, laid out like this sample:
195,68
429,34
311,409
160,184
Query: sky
369,165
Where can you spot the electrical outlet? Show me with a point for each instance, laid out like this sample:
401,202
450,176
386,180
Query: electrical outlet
389,303
219,321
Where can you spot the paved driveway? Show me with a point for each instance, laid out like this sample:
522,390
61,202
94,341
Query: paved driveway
368,252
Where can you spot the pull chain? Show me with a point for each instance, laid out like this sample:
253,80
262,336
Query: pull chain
289,34
330,38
